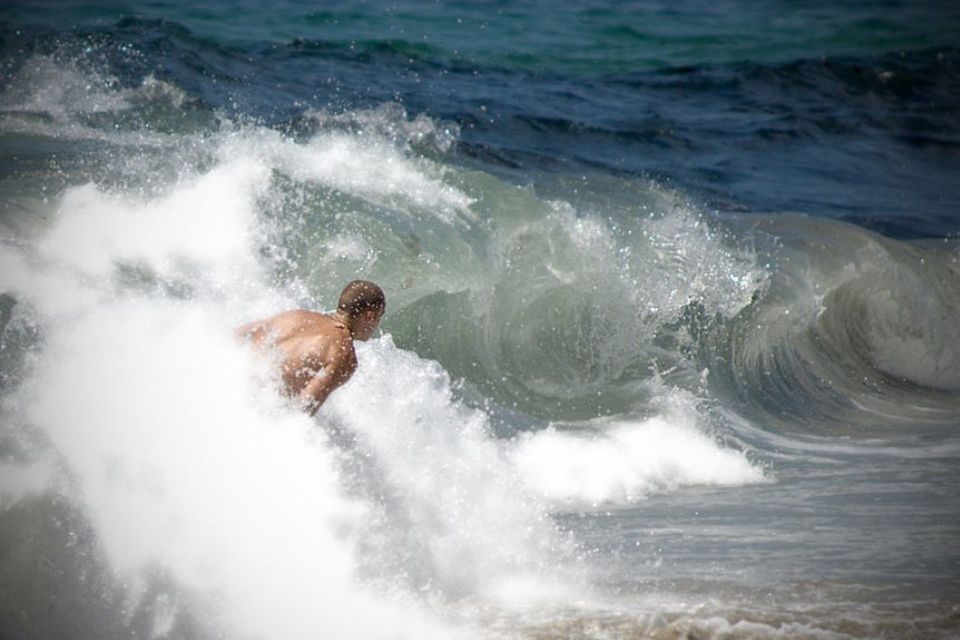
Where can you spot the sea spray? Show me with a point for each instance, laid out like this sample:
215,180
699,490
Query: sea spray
211,502
399,500
186,463
52,95
617,462
170,440
457,505
569,311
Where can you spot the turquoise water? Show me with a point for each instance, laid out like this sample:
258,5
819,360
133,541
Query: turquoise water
671,340
589,38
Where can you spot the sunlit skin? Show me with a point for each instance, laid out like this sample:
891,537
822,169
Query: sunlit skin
316,349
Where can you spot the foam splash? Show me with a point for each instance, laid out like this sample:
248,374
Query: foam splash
474,529
61,89
392,122
621,462
187,463
50,96
379,172
177,447
202,228
199,238
686,259
18,481
369,167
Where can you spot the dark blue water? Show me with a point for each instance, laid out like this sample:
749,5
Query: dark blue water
848,112
673,336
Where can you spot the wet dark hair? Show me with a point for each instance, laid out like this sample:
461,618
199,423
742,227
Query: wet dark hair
359,296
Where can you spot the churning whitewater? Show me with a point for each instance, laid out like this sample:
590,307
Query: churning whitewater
654,364
173,449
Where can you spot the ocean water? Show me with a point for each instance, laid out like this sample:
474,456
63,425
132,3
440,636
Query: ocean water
672,346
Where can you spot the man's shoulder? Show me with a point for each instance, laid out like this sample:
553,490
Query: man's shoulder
330,333
301,315
306,323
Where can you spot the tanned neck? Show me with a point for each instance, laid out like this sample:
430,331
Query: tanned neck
344,319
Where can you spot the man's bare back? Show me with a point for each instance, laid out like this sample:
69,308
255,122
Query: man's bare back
316,350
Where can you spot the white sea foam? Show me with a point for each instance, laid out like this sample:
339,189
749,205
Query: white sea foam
182,455
620,462
188,463
200,237
20,480
473,527
369,167
202,227
686,260
52,291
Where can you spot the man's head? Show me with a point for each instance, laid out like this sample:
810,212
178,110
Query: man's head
363,303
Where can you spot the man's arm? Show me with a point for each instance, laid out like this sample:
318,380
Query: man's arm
325,381
316,391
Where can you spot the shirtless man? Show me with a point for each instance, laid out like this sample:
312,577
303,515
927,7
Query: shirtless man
316,349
